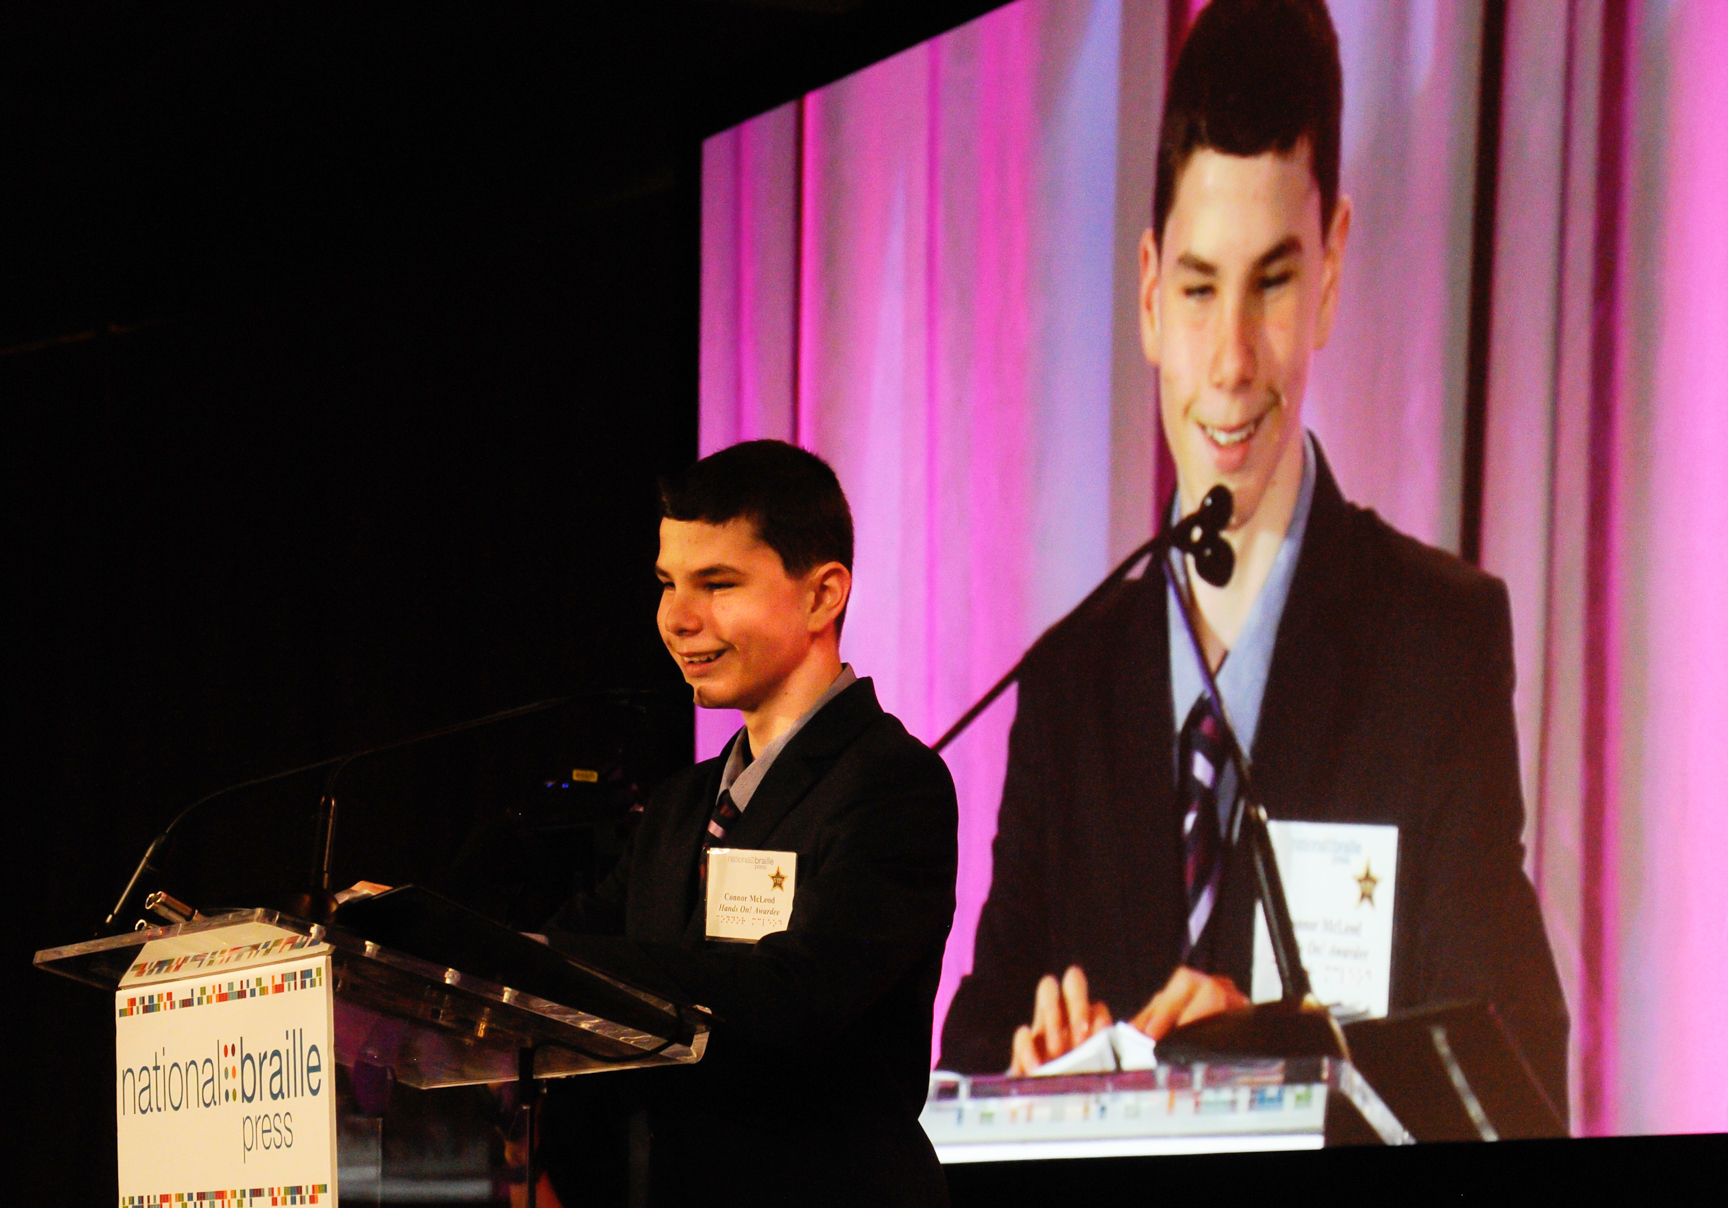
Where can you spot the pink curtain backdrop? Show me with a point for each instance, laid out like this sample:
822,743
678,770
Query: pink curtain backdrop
958,340
1387,396
1604,487
925,273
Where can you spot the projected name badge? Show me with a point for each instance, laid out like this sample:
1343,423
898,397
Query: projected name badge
749,892
1341,881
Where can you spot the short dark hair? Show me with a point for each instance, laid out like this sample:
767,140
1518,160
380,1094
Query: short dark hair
1254,76
792,496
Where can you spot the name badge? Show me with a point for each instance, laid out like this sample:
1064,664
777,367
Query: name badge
749,892
1341,880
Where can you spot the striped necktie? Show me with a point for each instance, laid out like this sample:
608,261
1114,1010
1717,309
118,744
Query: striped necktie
1200,754
725,814
721,820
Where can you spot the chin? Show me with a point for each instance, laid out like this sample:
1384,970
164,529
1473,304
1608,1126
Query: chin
1249,489
1247,496
707,697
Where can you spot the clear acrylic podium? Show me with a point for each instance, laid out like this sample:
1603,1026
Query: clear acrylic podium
410,1019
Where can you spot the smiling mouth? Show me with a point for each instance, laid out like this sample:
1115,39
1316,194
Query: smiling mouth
700,660
1228,437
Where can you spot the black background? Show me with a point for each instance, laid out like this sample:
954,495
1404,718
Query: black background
341,347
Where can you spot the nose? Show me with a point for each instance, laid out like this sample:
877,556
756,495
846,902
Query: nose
677,617
1234,362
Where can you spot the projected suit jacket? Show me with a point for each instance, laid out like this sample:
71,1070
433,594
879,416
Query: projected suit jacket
812,1084
1389,701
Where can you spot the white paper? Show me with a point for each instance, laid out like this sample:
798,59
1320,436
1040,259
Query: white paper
1340,880
1121,1046
749,892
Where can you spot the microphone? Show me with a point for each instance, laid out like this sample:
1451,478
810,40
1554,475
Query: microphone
148,863
1296,1026
1199,534
316,902
326,817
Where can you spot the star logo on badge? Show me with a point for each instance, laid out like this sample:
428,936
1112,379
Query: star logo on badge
778,877
1366,883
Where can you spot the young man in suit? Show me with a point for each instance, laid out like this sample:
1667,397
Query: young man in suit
814,1078
1368,676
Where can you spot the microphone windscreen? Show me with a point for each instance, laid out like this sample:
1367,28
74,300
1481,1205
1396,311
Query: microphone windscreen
1215,561
1216,509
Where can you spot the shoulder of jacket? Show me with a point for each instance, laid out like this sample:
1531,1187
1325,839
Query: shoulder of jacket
1424,591
1416,562
1083,632
887,747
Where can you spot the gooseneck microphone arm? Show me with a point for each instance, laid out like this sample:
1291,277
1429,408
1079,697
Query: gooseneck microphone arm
1249,823
989,698
148,864
326,806
1200,535
324,837
1196,534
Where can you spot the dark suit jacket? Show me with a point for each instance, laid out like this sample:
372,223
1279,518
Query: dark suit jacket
1389,701
812,1083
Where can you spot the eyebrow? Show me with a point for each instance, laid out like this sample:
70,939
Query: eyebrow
1286,247
706,572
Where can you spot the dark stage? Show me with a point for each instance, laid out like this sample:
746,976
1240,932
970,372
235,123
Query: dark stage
341,349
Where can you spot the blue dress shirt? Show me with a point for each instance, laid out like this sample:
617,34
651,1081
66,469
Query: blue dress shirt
1242,677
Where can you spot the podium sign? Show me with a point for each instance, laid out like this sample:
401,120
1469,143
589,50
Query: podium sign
228,1032
225,1084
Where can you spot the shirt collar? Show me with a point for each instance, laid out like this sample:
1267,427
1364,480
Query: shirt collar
1242,678
742,774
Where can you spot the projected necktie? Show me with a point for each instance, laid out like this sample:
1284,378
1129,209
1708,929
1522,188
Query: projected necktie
1200,756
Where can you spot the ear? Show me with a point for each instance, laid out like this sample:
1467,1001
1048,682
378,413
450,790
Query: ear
1332,270
829,587
1149,317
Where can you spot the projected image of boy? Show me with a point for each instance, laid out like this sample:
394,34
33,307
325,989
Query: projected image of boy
1368,676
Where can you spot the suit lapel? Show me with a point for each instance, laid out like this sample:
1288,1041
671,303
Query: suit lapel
684,848
805,760
1295,744
1146,688
1142,751
1138,738
796,770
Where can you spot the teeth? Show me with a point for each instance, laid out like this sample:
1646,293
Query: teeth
1231,436
701,658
